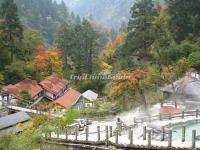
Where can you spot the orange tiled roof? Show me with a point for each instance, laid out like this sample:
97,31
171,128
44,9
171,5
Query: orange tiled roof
54,84
68,99
29,85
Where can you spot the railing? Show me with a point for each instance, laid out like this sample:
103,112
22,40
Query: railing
147,141
168,116
110,136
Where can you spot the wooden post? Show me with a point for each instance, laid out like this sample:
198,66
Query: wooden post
131,137
76,133
134,120
170,138
50,134
110,131
149,118
197,113
144,132
183,134
116,136
86,133
161,104
66,133
175,104
183,114
98,133
107,133
57,132
170,116
77,129
129,132
119,128
162,133
193,139
160,116
149,138
45,135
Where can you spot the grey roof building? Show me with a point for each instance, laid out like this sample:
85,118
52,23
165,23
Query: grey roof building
90,95
185,91
186,86
9,122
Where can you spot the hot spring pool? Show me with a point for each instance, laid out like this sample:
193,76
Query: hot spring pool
190,125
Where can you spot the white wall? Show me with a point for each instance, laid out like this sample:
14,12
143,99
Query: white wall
49,95
0,101
194,75
12,100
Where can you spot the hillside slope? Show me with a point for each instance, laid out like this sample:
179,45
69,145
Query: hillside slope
43,15
109,12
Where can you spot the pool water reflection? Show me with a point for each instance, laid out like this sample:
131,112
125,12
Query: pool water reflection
189,126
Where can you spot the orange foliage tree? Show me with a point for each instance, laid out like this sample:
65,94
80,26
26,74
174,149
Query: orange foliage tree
48,61
171,73
139,81
133,80
107,54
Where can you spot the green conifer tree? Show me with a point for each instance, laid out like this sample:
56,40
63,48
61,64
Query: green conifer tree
10,27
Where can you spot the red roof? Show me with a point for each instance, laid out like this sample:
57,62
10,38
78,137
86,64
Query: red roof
27,85
54,84
169,109
68,99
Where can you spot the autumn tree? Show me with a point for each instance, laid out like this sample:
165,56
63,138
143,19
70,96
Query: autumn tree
171,73
48,61
107,55
138,83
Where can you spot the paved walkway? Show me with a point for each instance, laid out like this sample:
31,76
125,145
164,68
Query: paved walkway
137,135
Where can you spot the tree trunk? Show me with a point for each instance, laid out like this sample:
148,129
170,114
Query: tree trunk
144,101
12,55
90,62
11,48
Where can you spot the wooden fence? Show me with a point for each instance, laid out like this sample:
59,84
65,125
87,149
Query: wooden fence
105,141
168,116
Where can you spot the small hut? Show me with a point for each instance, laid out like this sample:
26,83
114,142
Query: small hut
89,98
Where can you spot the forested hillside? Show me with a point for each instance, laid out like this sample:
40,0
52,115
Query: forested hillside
41,25
38,38
110,12
45,16
157,49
